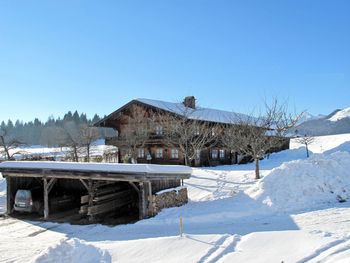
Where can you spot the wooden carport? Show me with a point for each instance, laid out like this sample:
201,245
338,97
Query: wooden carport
141,177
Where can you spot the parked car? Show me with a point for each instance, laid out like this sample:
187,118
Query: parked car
28,200
31,201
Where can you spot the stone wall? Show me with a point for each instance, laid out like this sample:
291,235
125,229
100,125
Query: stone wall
170,198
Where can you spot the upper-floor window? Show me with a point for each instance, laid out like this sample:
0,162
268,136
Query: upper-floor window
141,131
214,154
141,153
159,130
159,153
222,153
196,131
174,153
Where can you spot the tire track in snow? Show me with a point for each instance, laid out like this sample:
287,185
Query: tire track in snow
319,253
7,222
33,234
222,246
332,252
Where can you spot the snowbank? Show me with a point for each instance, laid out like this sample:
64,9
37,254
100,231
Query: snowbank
345,147
306,183
73,250
323,143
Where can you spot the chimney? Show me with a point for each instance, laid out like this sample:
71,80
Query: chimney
190,102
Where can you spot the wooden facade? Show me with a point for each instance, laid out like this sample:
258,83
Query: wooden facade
155,151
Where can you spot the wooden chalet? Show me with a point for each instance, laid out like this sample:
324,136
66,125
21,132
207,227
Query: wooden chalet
155,150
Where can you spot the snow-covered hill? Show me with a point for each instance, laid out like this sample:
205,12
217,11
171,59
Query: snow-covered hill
293,214
335,123
339,115
306,116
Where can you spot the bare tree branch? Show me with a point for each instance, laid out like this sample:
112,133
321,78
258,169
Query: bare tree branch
256,136
187,135
306,140
8,144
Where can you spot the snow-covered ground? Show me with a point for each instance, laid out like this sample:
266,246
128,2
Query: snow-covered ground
326,143
58,153
293,214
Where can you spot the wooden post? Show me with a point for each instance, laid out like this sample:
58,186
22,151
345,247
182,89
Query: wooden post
9,195
142,201
150,210
46,200
91,197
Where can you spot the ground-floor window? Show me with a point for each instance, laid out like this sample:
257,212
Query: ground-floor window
159,153
141,153
214,153
174,153
222,153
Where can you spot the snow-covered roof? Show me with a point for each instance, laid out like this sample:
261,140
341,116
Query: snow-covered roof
199,113
99,167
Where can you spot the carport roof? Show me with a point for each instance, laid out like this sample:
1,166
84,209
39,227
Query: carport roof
95,170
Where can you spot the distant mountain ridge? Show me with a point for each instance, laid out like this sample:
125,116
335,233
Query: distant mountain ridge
340,114
336,122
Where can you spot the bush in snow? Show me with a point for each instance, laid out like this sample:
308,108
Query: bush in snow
303,184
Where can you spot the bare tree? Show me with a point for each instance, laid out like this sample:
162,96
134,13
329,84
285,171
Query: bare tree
88,135
8,144
306,140
255,136
186,134
73,139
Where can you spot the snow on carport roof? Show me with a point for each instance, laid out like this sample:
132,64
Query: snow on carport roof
99,167
203,114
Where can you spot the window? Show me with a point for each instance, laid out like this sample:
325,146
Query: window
141,131
159,153
214,154
159,130
174,153
196,131
141,153
222,153
198,154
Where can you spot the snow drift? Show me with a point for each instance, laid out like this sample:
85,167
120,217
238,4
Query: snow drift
303,184
73,250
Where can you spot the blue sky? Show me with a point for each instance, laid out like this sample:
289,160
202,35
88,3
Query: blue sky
94,56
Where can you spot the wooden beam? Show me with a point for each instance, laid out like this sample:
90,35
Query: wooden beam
95,175
84,184
10,195
51,184
110,205
134,186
